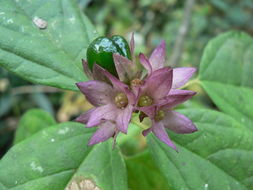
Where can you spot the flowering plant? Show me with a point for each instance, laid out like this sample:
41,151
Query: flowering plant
153,94
141,105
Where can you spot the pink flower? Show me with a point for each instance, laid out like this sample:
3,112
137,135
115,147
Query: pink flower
154,94
114,105
161,102
157,61
163,117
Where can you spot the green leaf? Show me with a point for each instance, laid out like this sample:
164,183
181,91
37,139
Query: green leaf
57,156
50,56
218,156
142,167
31,122
226,74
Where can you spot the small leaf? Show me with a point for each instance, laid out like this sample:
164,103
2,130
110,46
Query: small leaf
32,122
218,156
226,74
51,56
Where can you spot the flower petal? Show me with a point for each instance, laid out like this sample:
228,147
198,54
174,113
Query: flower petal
158,84
157,58
105,131
123,119
84,118
107,112
121,87
175,97
124,67
178,123
173,92
86,69
145,63
181,76
159,131
97,74
148,110
146,132
97,92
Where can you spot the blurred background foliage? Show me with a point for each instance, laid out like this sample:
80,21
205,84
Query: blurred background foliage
152,21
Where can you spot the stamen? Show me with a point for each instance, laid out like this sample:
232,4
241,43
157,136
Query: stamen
145,101
121,100
159,115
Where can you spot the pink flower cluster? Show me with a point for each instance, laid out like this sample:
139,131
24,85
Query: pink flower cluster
152,92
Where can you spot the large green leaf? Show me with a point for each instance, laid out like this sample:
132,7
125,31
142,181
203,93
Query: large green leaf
58,157
226,74
218,156
31,122
105,166
51,56
143,173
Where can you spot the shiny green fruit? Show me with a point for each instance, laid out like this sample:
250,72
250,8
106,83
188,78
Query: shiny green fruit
100,51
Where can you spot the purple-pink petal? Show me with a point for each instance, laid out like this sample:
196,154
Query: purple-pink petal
158,84
124,68
97,73
145,63
86,69
148,110
178,123
105,131
146,132
121,87
97,92
181,75
181,92
84,118
106,112
157,58
160,132
123,118
175,97
117,84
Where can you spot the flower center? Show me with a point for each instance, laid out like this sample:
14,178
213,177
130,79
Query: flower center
159,115
136,82
145,100
121,100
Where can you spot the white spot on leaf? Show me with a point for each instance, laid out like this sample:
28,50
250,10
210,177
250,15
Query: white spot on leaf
206,186
36,167
86,184
63,131
40,23
10,21
72,19
52,140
